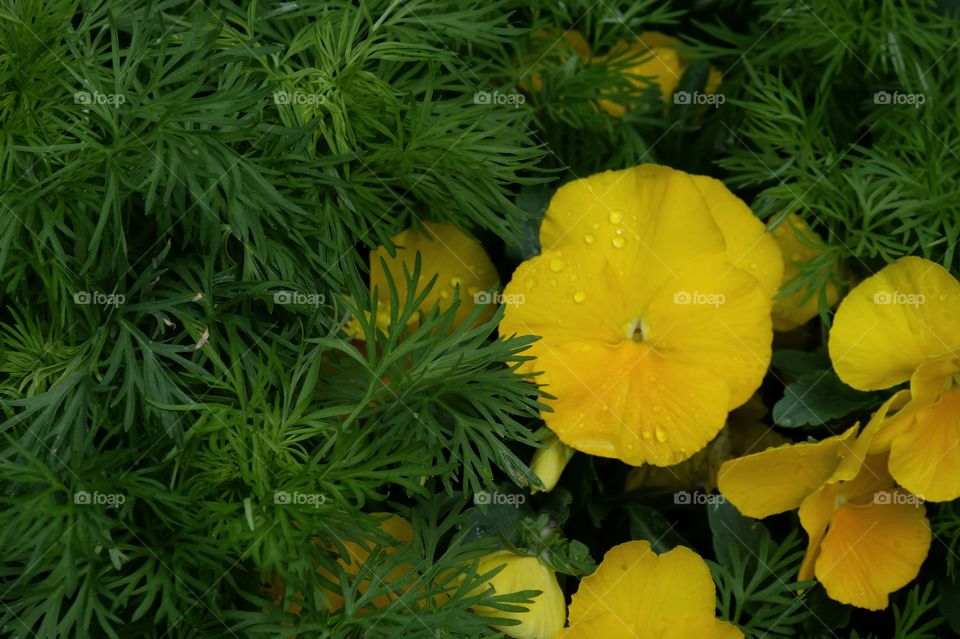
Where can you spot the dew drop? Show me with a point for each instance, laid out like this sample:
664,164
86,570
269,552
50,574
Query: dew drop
618,242
579,296
473,290
574,277
556,265
455,282
615,217
942,297
661,435
647,434
589,238
444,295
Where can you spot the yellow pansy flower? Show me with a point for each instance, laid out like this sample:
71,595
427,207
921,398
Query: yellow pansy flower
904,324
463,270
661,60
798,244
545,616
549,461
867,538
636,593
652,297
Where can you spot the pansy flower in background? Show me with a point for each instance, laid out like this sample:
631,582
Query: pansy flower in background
661,63
796,304
652,297
462,267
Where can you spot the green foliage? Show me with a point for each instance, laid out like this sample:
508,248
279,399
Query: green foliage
192,436
845,113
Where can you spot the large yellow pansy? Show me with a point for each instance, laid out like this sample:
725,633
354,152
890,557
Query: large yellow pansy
651,332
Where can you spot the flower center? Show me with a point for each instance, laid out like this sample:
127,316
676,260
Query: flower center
637,330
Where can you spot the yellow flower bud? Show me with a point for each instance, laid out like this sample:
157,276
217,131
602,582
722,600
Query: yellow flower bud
548,462
543,618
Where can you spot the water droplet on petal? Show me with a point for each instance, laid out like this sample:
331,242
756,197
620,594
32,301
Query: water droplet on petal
647,434
444,295
556,265
455,282
942,297
589,238
618,242
579,296
661,435
615,217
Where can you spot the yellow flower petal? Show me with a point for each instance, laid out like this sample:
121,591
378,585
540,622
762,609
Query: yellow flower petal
925,456
463,269
716,317
629,402
543,618
871,550
794,238
745,482
640,219
636,593
893,321
749,246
